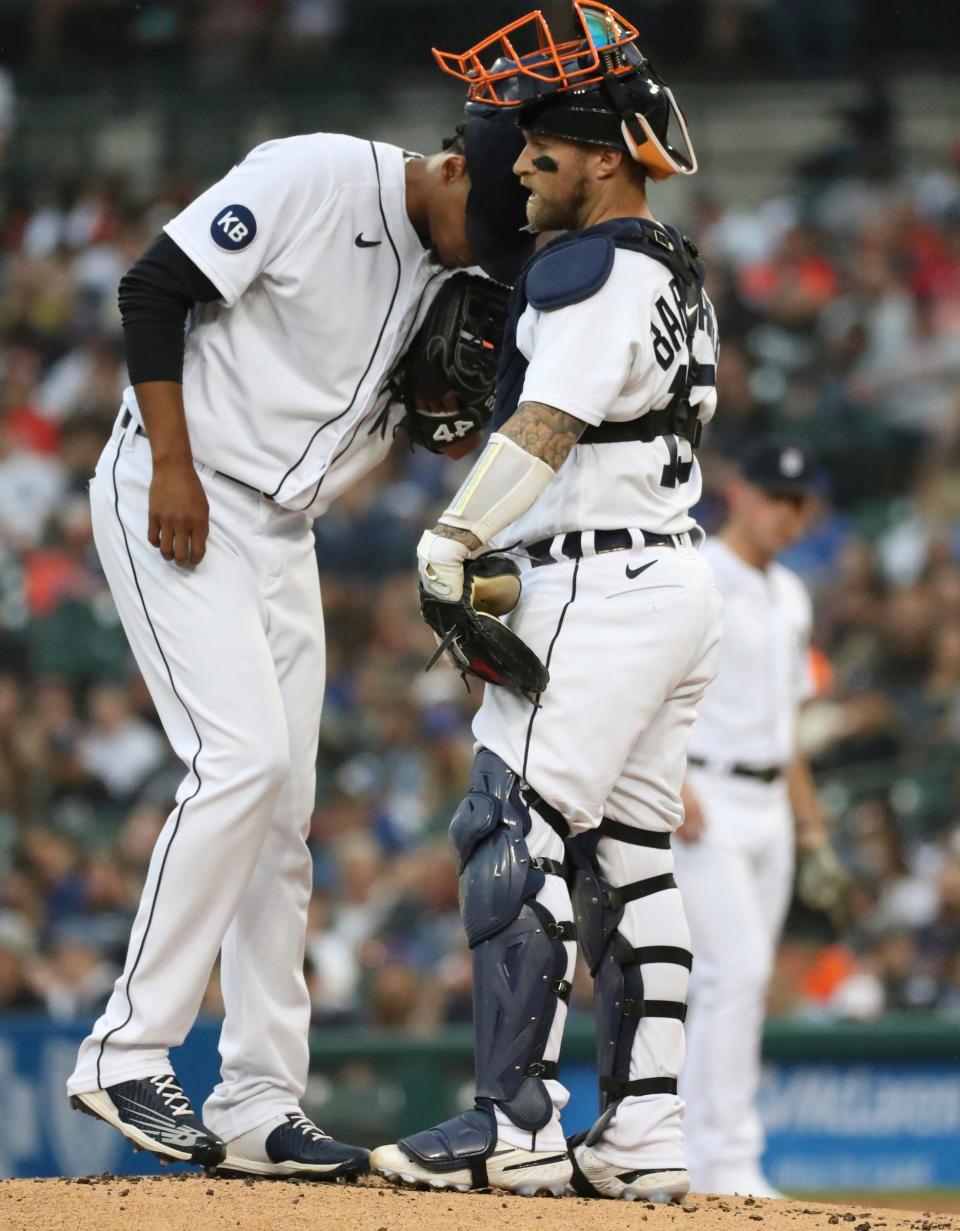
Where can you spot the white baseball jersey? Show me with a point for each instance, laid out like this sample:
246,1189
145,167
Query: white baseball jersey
749,713
323,279
613,357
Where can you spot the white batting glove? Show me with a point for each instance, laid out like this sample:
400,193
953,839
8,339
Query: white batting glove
441,566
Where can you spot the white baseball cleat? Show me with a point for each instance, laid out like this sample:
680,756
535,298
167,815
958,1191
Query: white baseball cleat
465,1153
593,1176
528,1173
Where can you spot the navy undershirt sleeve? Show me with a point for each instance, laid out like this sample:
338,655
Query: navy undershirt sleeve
155,296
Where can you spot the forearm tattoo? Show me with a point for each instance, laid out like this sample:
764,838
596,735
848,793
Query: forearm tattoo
461,536
544,431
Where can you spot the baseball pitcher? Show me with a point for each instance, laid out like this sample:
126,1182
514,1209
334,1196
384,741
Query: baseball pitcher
302,277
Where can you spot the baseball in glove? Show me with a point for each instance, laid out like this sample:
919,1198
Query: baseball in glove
471,631
446,377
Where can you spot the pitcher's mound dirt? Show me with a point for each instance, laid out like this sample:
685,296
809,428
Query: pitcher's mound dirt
190,1203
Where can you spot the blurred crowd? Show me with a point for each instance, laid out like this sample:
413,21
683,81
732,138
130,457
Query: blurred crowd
839,306
812,38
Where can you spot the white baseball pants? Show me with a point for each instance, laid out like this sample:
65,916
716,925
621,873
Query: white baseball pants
233,654
629,655
736,884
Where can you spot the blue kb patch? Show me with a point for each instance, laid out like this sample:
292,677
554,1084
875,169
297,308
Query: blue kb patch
234,228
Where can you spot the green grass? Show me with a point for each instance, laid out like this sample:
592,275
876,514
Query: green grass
941,1200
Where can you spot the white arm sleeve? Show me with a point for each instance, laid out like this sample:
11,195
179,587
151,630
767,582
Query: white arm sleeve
504,483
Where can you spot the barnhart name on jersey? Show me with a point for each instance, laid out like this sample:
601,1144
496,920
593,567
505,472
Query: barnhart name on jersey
609,358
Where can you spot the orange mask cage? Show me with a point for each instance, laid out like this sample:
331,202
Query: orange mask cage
566,66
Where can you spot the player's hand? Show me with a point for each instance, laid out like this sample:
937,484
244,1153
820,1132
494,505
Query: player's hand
441,566
179,517
694,822
823,883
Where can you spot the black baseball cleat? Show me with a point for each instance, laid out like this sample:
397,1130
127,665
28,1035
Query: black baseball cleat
154,1114
296,1148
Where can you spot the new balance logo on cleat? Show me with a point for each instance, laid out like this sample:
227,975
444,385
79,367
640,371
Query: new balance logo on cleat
160,1127
154,1114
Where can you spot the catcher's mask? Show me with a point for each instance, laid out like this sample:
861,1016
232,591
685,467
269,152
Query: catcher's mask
597,89
497,201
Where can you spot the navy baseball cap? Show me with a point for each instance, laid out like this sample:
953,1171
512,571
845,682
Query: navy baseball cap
497,201
782,466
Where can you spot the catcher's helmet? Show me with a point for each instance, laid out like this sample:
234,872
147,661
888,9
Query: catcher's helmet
598,89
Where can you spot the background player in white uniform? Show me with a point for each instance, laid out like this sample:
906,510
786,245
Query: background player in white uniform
590,481
305,270
748,799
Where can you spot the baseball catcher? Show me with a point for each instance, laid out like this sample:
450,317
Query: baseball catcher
606,373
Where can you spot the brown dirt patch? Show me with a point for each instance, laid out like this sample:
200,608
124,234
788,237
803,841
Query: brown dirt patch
191,1203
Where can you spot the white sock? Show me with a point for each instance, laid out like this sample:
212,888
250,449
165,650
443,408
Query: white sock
549,1138
252,1144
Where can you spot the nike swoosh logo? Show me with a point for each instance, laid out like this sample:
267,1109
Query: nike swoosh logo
367,243
635,572
538,1162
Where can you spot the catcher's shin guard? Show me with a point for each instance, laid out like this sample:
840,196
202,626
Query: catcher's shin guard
622,1000
519,953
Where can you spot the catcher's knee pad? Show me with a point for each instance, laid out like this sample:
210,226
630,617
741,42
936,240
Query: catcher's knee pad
519,959
616,965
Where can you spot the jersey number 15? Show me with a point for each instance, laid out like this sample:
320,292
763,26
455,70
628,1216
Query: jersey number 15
677,471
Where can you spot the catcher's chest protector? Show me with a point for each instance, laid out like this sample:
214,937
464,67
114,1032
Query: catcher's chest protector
574,267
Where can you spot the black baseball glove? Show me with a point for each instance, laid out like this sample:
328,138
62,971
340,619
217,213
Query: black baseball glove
445,378
470,631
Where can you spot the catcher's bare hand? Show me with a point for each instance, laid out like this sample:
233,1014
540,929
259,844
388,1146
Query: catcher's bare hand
179,517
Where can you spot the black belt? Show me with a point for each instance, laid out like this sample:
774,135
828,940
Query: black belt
767,773
603,541
126,419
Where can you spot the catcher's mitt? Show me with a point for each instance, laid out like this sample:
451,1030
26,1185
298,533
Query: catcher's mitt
445,378
471,632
